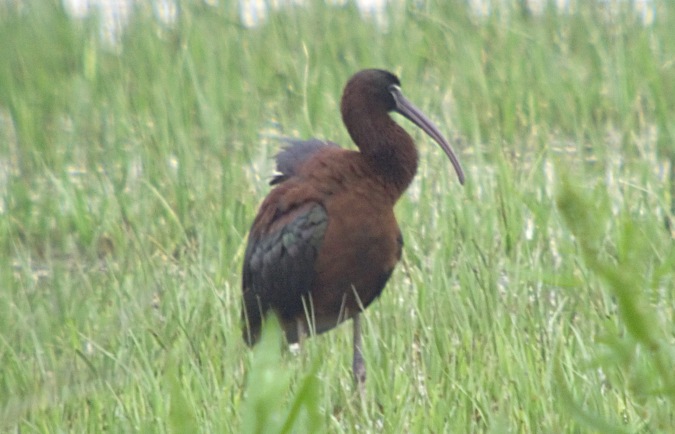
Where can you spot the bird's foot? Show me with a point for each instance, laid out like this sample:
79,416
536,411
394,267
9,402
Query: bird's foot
359,368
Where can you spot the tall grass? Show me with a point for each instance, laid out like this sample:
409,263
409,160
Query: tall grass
129,176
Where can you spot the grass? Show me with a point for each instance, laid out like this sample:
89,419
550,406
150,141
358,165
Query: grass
538,298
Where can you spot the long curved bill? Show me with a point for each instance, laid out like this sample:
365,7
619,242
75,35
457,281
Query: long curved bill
415,115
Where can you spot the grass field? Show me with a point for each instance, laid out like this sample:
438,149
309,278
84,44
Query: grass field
538,298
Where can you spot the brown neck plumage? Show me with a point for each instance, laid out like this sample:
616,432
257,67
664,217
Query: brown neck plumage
387,148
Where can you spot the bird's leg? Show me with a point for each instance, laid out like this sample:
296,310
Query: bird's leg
302,333
358,365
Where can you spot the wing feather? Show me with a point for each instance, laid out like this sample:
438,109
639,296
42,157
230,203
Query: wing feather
279,265
293,156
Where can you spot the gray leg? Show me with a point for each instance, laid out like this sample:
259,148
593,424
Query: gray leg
358,365
302,332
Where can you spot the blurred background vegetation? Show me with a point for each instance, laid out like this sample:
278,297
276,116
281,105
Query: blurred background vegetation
538,298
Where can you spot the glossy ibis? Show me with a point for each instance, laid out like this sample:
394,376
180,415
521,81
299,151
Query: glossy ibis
325,240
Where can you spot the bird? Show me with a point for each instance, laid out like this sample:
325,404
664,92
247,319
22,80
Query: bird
325,240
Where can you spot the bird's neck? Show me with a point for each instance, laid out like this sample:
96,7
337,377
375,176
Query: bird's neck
388,150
